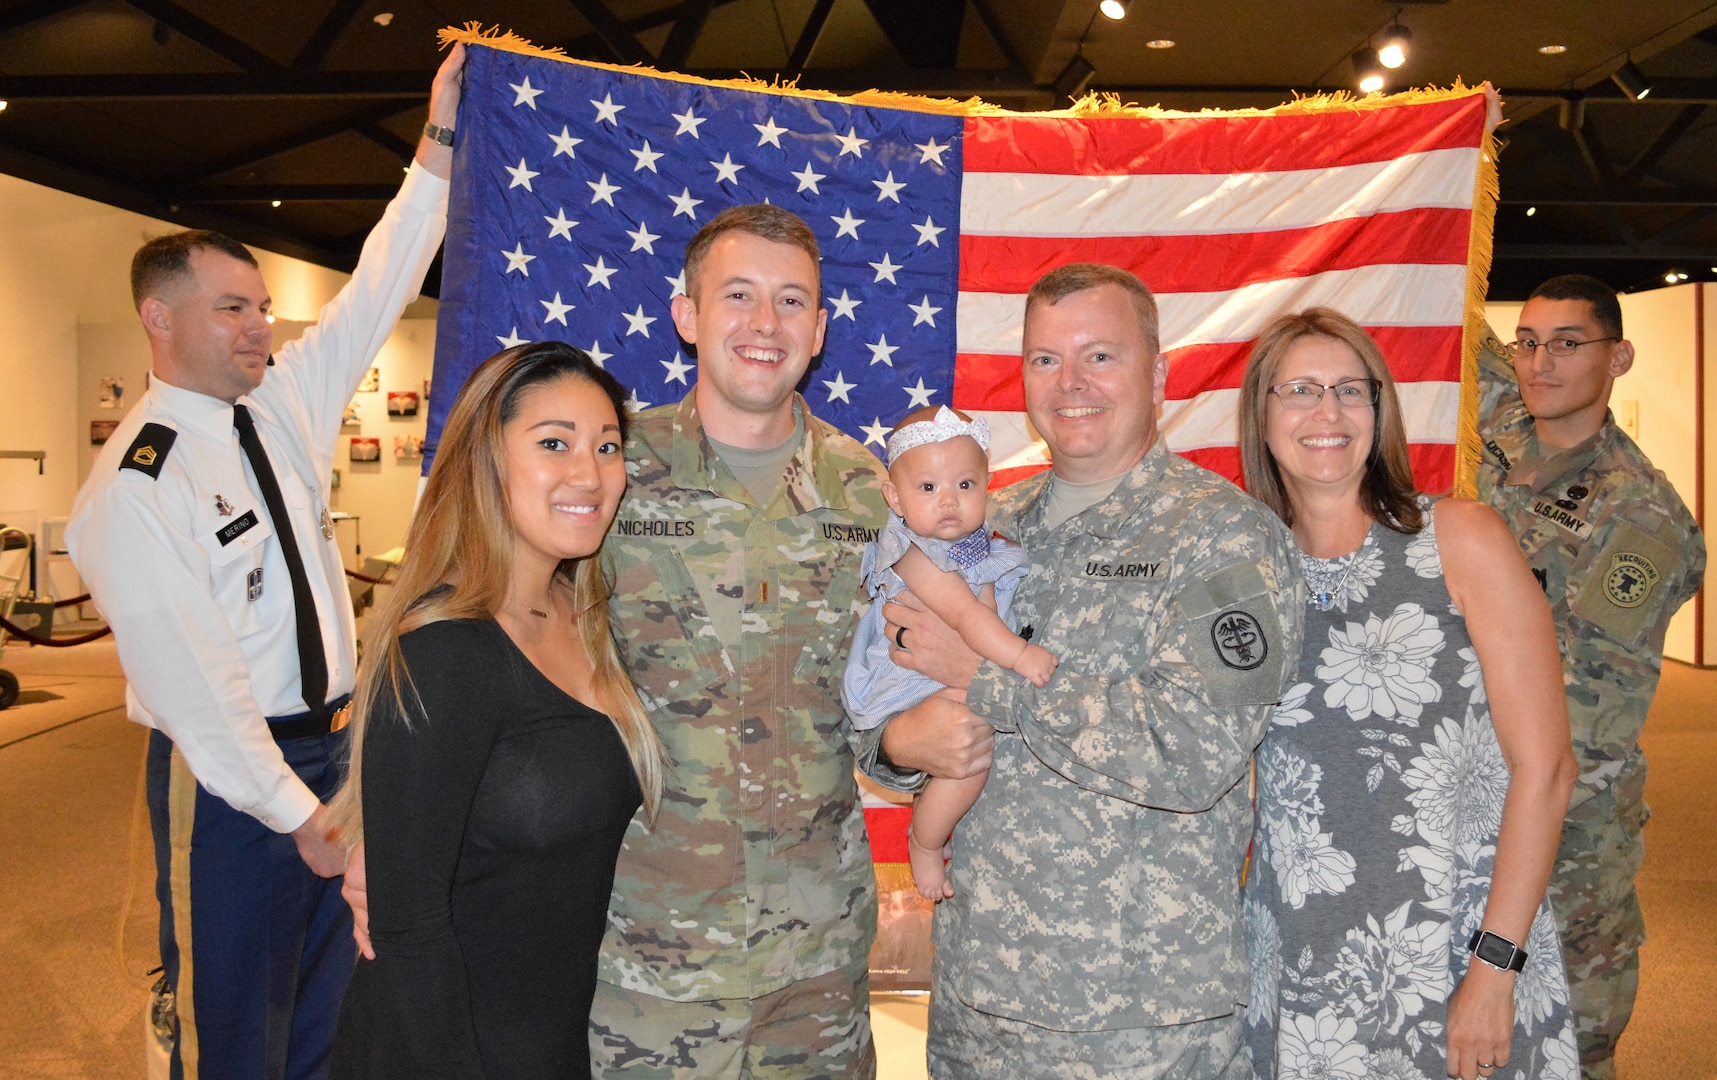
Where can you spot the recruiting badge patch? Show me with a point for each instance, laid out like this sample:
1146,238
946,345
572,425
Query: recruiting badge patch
1621,593
1630,578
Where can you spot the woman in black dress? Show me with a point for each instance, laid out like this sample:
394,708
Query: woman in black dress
498,748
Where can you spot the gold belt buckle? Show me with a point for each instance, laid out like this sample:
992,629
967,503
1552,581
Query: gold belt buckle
342,716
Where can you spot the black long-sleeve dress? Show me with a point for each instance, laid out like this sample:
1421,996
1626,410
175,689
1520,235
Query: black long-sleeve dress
492,824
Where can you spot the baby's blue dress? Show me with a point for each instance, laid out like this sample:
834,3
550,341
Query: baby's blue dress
875,688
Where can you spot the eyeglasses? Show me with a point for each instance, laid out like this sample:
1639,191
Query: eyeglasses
1349,393
1525,347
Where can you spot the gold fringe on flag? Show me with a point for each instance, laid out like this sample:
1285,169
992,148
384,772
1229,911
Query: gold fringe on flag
1105,105
1095,104
1486,191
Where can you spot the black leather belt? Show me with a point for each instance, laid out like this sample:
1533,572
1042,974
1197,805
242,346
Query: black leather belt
307,725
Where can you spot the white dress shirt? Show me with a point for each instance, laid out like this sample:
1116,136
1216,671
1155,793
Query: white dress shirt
198,596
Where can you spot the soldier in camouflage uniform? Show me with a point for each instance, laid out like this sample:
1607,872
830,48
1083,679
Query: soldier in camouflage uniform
1095,926
1617,553
742,919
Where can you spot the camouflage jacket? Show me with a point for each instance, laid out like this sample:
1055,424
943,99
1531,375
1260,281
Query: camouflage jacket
757,871
1617,554
1097,880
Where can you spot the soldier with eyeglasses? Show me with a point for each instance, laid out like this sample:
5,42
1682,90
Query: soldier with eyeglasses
1617,553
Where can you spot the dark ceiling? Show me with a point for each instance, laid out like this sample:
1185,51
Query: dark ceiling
205,112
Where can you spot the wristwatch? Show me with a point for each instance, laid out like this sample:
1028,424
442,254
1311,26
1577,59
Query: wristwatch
1497,951
435,133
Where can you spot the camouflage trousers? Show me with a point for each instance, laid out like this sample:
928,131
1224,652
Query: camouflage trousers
1592,891
966,1044
815,1029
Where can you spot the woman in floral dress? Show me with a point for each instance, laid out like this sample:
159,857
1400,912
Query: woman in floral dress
1412,787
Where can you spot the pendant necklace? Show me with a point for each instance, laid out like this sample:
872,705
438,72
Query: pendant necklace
1326,579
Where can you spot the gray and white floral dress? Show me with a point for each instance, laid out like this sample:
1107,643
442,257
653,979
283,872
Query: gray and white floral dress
1380,790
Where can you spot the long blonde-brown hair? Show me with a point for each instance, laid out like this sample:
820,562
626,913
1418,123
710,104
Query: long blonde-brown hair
1387,491
459,561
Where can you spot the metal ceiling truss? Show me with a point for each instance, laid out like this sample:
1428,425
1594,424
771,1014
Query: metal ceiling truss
926,36
1609,189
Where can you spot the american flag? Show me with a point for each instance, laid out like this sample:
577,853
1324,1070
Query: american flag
576,187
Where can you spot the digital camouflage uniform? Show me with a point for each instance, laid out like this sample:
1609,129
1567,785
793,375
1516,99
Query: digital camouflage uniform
756,875
1617,553
1097,880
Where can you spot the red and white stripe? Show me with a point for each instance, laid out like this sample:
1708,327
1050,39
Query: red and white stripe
1232,220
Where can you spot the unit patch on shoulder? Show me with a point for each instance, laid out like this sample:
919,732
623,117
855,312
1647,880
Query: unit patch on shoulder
1621,596
1630,578
1239,640
149,452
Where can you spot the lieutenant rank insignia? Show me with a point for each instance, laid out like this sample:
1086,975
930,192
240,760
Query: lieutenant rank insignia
149,452
222,507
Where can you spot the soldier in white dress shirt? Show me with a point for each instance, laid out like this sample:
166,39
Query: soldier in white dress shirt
204,535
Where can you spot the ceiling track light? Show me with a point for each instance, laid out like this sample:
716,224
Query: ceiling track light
1397,39
1367,70
1075,77
1114,9
1632,81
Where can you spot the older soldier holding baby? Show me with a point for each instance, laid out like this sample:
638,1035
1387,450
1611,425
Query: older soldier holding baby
1095,928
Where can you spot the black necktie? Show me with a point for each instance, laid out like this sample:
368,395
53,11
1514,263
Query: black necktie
312,663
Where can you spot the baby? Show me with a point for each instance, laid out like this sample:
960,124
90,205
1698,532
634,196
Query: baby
937,545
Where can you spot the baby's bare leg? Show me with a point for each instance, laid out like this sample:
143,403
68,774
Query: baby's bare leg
939,807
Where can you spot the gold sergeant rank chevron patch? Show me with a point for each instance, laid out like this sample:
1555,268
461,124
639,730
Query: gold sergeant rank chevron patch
148,452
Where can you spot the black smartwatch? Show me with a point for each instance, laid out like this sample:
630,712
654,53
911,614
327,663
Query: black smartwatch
1497,951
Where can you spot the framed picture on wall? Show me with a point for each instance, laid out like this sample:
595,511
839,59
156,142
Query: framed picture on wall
112,392
351,415
366,448
101,430
372,381
407,447
402,402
